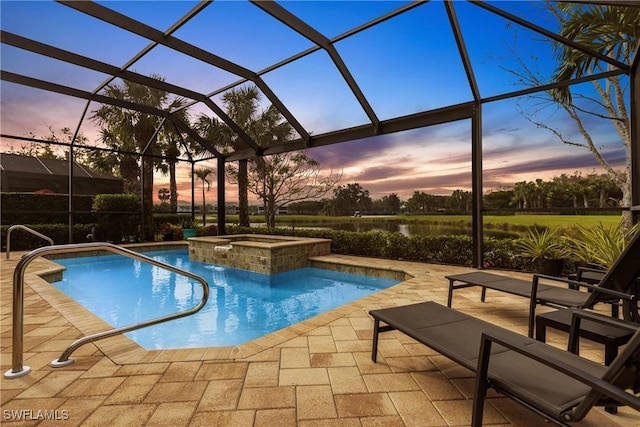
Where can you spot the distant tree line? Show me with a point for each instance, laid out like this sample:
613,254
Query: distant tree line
564,191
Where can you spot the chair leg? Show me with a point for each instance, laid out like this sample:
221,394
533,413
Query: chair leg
532,316
610,353
450,296
541,331
376,332
480,391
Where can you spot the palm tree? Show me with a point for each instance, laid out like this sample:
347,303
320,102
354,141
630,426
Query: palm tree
265,128
119,163
522,194
169,143
163,195
242,105
127,129
203,174
613,31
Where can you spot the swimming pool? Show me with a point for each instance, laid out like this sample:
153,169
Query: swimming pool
242,305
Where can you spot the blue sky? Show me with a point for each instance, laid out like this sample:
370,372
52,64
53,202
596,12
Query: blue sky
404,65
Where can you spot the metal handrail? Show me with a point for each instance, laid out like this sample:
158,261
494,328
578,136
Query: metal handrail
30,230
18,369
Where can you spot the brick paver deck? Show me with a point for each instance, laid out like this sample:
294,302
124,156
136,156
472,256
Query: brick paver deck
317,373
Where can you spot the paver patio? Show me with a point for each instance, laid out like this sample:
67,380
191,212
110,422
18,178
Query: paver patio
317,373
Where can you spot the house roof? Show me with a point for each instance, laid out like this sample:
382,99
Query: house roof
14,163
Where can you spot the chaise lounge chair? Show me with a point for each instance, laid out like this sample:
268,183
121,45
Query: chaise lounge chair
557,384
618,286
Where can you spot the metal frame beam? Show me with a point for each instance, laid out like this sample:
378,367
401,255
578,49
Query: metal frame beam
635,136
77,93
462,49
413,121
302,28
126,23
92,64
471,110
550,34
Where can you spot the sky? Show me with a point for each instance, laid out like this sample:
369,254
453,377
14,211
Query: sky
404,65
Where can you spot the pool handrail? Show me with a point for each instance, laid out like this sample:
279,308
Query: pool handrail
30,230
17,367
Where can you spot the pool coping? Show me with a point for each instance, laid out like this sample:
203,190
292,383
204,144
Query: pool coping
123,350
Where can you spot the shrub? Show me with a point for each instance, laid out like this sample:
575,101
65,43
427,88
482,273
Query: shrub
30,208
209,230
22,240
118,216
171,218
502,253
455,249
599,245
545,244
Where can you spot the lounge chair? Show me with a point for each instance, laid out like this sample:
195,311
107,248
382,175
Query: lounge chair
618,286
557,384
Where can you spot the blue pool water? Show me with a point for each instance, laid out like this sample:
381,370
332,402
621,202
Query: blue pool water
242,305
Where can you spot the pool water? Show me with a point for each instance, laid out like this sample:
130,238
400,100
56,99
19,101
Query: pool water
242,305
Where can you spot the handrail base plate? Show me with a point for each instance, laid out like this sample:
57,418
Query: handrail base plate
58,364
10,374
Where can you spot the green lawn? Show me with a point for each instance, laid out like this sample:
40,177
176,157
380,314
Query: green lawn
553,221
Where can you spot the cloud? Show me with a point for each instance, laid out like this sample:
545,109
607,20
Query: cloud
615,157
349,153
386,172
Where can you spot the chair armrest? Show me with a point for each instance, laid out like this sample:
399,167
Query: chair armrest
502,338
605,320
538,276
591,269
598,274
533,300
578,315
621,295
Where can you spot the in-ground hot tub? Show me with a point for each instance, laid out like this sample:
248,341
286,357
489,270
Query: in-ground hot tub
259,253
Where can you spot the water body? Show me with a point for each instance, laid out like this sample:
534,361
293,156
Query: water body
242,305
423,229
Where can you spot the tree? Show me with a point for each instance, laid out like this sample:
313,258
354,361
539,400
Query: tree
264,127
46,150
203,175
164,195
607,190
131,132
418,202
350,198
169,142
122,163
285,178
461,200
498,199
422,203
522,193
308,207
613,31
569,186
391,203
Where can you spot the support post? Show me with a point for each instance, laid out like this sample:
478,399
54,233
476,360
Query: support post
71,163
476,184
635,138
221,199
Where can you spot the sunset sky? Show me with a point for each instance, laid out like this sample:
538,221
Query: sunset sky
404,65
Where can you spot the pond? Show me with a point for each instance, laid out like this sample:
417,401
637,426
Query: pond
423,228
